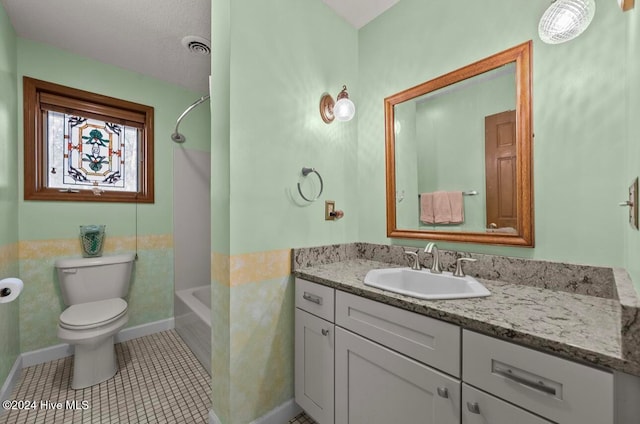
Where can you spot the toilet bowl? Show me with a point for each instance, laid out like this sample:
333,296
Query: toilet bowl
93,288
90,327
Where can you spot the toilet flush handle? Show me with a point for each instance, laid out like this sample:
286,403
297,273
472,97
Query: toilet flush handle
69,270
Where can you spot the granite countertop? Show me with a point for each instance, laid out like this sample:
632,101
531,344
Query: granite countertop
575,326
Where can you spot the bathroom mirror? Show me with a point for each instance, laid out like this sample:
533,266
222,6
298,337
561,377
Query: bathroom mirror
467,136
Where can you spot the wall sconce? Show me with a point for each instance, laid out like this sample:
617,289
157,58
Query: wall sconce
564,20
342,109
626,5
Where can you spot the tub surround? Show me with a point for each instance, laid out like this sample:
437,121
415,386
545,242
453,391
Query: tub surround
578,312
192,308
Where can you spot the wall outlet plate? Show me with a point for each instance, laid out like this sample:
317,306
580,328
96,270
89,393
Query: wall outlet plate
329,206
633,204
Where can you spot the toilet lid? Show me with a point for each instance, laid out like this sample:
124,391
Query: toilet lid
92,314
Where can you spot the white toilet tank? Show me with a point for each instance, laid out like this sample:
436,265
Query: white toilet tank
90,279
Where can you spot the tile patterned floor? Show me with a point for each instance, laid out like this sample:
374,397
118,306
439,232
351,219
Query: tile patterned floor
159,381
302,419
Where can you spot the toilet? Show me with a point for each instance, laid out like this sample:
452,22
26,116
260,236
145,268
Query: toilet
93,289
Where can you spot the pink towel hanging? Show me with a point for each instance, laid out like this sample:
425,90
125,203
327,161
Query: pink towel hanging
426,208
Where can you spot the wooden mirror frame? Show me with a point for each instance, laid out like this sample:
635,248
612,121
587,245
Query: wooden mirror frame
521,55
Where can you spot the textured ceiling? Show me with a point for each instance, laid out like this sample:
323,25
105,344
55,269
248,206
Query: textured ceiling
143,35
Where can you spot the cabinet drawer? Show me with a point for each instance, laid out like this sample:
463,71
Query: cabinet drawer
482,408
315,299
433,342
555,388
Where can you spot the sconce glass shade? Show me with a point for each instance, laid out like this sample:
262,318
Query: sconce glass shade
342,110
564,20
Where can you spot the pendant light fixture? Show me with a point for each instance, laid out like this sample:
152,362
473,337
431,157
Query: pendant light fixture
564,20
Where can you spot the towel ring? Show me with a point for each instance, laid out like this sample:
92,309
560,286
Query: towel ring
305,172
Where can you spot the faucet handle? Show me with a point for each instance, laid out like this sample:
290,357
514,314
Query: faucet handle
459,271
414,259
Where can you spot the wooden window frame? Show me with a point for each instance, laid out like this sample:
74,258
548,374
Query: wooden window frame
38,94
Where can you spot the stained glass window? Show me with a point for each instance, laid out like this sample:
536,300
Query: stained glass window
83,146
85,152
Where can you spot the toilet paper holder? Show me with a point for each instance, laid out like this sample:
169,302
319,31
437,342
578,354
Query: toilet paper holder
10,289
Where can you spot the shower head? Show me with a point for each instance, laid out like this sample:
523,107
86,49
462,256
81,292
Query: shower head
176,136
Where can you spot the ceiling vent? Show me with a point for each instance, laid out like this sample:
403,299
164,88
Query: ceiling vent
197,45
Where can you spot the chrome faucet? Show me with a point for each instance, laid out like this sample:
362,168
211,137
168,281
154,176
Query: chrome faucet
433,249
414,259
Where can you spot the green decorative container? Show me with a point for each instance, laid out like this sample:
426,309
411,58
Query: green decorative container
92,240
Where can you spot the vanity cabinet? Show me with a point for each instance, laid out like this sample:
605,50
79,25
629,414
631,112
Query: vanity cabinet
358,361
314,350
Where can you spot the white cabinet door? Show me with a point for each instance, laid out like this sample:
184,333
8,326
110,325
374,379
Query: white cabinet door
481,408
375,385
314,349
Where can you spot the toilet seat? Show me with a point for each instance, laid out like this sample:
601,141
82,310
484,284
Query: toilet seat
89,315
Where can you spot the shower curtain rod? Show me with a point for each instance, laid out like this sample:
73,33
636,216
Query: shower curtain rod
176,136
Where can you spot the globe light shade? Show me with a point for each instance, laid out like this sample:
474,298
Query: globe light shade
564,20
344,109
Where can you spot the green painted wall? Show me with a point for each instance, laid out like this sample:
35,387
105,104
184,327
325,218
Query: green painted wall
220,124
579,116
295,52
9,312
220,211
266,126
151,294
169,102
632,239
8,132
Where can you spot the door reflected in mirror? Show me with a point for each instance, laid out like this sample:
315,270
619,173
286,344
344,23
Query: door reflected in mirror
459,154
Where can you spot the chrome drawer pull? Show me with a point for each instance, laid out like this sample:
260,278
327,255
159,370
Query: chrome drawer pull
325,332
537,385
474,408
443,392
312,298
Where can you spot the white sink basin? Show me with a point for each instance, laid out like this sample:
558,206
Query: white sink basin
425,285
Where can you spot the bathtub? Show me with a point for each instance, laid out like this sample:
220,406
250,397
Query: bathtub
193,321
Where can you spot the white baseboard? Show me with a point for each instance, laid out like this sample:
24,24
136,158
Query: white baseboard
63,350
145,330
281,414
11,380
46,354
